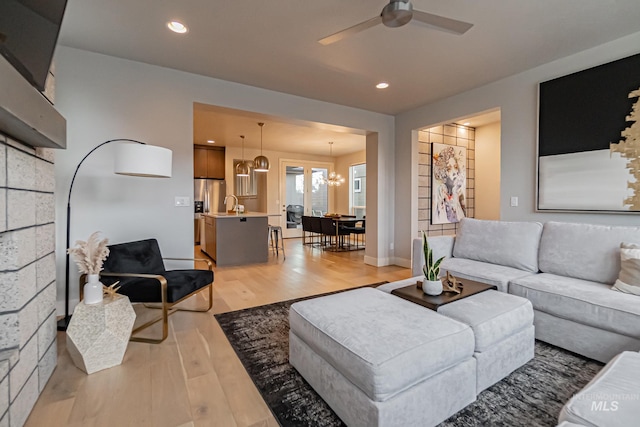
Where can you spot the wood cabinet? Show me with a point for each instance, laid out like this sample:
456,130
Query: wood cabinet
208,163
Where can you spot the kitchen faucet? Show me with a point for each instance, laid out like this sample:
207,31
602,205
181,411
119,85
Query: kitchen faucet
235,205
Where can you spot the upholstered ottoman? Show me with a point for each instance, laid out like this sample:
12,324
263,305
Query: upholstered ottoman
612,397
504,333
378,360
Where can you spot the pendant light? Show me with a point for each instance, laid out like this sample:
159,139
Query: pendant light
334,179
242,168
261,163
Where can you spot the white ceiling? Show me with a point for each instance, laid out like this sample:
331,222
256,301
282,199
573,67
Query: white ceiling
273,44
224,126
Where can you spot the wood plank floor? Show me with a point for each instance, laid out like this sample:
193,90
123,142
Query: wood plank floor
194,377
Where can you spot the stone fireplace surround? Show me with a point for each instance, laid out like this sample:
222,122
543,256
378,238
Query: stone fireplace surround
28,350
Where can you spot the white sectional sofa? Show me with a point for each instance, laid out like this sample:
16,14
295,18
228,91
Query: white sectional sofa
566,270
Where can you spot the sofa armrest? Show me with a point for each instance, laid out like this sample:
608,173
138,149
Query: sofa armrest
442,246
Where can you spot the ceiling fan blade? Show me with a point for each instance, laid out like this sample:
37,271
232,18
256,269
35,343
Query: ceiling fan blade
441,23
350,31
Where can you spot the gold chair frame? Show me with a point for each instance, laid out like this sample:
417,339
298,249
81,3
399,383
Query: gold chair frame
167,307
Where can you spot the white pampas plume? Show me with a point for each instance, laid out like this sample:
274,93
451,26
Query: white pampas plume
90,255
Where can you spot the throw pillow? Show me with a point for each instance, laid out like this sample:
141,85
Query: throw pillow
629,278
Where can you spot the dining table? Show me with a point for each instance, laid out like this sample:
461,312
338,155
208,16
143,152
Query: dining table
340,220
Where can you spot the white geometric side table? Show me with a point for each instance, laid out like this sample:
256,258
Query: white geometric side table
98,334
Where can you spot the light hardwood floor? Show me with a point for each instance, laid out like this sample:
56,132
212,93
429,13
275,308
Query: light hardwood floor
194,377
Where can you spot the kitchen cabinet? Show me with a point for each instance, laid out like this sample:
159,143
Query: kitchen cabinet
208,162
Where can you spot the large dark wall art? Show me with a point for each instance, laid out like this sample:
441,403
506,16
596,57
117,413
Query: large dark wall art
589,139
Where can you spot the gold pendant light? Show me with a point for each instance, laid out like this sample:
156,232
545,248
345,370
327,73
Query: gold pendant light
261,163
242,168
334,179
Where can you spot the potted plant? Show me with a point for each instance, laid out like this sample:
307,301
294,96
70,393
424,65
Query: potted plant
431,285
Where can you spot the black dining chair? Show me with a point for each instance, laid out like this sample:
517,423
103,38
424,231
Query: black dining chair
331,229
306,229
139,268
316,228
357,230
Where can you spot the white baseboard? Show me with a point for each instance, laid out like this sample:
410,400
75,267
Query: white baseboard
376,262
402,262
382,262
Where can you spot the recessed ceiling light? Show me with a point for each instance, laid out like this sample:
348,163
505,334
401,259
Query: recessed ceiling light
466,123
177,27
382,85
211,141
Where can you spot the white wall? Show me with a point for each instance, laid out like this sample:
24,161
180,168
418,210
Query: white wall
516,96
104,97
343,163
487,172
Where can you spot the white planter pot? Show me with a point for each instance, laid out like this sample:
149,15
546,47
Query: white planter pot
93,289
432,287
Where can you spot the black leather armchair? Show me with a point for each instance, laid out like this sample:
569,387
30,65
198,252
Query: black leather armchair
139,267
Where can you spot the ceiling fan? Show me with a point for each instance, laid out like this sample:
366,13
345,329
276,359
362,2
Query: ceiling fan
398,13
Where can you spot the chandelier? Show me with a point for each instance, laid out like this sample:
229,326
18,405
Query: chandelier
334,179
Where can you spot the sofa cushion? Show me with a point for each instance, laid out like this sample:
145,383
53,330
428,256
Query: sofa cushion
391,286
494,316
629,279
581,301
584,251
512,244
381,343
484,272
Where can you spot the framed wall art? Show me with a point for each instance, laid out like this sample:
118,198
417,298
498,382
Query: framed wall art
589,140
448,183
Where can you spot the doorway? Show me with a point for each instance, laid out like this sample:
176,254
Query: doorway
303,191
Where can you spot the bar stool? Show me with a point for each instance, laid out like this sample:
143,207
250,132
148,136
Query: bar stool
277,231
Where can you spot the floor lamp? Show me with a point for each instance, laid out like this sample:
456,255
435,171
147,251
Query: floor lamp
132,158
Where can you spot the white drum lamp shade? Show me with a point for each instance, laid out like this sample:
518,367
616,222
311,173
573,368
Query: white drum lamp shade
143,160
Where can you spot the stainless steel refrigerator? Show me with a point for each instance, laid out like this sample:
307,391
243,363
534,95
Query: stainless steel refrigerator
208,196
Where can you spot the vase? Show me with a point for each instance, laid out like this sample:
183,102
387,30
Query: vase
432,287
93,289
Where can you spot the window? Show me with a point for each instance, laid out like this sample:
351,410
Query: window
358,190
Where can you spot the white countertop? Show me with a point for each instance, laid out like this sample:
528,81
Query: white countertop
222,215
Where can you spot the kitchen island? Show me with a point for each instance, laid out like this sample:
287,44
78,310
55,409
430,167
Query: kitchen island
235,239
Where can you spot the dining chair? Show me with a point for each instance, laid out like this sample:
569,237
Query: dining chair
332,229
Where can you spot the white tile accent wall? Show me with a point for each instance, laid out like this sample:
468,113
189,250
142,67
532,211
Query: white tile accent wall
452,134
27,277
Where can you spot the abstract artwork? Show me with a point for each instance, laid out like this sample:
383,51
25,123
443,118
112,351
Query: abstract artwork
589,140
448,183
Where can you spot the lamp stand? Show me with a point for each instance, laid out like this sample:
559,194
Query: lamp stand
64,322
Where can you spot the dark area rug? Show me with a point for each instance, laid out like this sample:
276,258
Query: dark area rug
531,396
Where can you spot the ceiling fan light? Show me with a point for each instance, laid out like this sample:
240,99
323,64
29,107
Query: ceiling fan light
397,13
